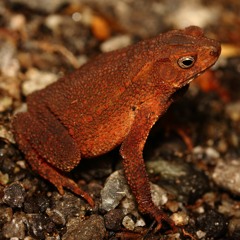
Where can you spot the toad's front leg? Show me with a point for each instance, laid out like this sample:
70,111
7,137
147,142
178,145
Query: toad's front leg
133,163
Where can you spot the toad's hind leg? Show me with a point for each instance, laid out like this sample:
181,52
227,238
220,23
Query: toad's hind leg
48,147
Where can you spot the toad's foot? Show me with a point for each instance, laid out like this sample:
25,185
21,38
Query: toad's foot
60,181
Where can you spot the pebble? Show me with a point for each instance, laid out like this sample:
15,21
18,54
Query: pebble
226,175
113,219
5,103
37,80
234,228
65,207
212,223
16,227
92,228
128,223
6,214
39,225
180,218
233,111
115,43
116,192
115,189
9,65
179,178
36,204
14,195
193,13
208,153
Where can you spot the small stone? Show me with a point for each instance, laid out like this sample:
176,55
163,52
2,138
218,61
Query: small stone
8,154
115,189
181,177
9,64
116,192
194,13
113,219
115,43
18,22
208,152
36,204
64,207
92,228
14,195
6,103
233,111
234,228
226,175
15,227
214,224
39,225
167,169
172,206
54,22
212,153
4,178
55,237
37,80
159,195
6,214
128,223
180,218
200,234
56,216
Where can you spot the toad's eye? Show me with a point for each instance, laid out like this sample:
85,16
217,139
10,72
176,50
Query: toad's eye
186,62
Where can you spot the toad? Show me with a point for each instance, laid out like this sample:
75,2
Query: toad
113,100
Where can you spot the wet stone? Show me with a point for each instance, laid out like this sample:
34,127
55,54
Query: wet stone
113,219
92,228
14,195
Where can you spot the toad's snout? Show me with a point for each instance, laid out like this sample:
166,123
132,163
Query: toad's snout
215,50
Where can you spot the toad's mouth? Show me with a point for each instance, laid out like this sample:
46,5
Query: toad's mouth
195,76
186,82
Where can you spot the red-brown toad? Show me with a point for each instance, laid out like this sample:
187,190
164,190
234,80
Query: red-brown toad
115,99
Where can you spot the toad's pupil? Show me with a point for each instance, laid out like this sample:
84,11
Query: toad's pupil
187,62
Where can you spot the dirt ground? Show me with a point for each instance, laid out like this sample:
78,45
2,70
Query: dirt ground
192,154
